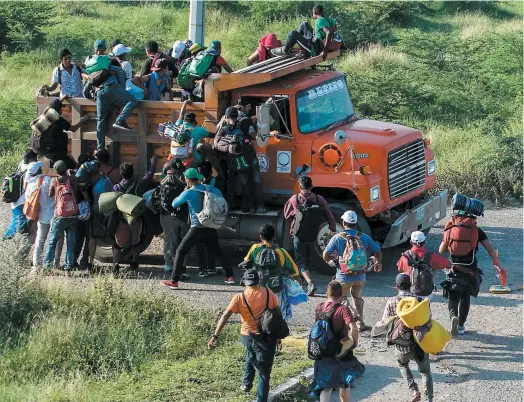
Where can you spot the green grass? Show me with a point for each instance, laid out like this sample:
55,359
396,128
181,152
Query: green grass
452,69
104,339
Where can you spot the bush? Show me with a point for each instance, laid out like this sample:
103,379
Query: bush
268,11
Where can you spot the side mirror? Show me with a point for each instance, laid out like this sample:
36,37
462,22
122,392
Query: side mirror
340,137
264,120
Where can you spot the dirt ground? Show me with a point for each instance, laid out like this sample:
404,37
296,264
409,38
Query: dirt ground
485,364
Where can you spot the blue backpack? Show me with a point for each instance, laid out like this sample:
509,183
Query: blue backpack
103,185
323,342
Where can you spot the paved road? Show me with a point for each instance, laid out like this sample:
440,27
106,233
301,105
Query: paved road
483,365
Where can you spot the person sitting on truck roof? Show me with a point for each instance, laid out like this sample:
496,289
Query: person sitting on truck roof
154,54
68,75
263,52
189,122
313,42
155,83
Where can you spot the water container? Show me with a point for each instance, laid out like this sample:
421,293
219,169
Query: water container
469,205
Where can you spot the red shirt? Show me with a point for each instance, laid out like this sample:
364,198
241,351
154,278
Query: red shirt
436,260
340,319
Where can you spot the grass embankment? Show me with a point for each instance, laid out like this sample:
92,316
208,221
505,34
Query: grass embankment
108,340
452,69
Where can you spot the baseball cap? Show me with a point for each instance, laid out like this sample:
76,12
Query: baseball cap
251,277
196,47
178,48
349,217
34,167
403,279
418,237
100,43
120,49
60,167
231,111
192,174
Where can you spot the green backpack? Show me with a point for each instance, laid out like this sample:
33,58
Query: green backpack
201,63
97,63
184,79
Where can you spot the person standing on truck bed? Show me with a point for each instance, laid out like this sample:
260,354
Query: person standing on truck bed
307,210
68,75
155,83
351,248
153,54
194,196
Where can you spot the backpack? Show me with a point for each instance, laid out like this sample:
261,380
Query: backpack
271,323
180,138
420,274
270,269
308,218
102,185
42,123
354,259
323,342
13,187
461,235
201,63
399,334
60,72
170,188
32,204
336,41
214,209
184,78
98,69
66,205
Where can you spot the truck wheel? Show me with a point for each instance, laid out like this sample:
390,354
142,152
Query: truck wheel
323,235
104,251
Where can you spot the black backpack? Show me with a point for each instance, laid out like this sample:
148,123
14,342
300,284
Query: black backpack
13,186
308,218
268,265
420,274
323,341
170,188
271,324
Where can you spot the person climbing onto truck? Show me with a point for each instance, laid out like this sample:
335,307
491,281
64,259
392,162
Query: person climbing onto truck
265,44
194,197
350,250
461,239
419,264
155,83
307,211
239,153
68,75
189,122
313,42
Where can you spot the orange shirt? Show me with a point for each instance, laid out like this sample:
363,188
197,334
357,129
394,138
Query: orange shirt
256,297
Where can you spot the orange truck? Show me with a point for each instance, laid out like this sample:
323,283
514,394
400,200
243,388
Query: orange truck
306,125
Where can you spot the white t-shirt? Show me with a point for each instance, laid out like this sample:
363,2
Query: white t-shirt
47,204
128,69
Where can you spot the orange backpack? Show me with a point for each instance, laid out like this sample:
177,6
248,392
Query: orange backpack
461,235
32,204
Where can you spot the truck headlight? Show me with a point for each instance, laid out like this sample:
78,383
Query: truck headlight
375,193
431,167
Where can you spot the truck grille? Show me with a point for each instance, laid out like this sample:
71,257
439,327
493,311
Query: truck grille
406,168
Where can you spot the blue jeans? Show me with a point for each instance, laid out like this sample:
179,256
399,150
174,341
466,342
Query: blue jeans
58,226
106,98
303,254
18,220
260,360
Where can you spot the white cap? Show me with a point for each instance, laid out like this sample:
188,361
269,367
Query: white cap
418,237
178,48
349,217
120,49
33,168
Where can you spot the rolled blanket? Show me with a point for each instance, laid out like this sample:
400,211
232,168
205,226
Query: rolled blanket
434,339
412,313
107,202
131,204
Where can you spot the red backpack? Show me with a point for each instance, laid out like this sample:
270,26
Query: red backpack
461,235
336,38
66,205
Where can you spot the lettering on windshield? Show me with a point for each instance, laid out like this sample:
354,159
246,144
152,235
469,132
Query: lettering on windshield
325,89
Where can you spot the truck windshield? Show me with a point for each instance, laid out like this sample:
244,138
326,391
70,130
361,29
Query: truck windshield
319,107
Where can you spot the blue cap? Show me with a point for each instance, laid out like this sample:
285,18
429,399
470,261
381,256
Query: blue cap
100,43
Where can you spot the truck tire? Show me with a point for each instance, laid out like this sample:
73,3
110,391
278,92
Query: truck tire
104,251
337,209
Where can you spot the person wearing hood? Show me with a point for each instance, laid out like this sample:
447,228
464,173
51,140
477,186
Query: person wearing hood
263,52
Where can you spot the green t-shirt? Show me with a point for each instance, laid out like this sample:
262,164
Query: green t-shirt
322,23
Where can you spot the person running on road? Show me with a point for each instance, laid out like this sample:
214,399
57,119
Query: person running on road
304,248
352,282
249,304
464,279
406,349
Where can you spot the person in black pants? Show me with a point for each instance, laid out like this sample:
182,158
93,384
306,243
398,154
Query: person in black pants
194,197
464,279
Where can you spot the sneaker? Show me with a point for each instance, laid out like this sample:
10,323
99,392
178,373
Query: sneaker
170,284
212,271
185,277
203,275
454,330
461,329
363,327
167,268
415,397
311,289
279,51
230,280
246,387
122,125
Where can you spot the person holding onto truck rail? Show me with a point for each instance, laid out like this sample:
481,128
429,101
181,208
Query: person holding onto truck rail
155,83
307,211
351,249
194,196
68,75
189,122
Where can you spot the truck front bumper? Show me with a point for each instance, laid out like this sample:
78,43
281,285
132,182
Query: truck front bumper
422,217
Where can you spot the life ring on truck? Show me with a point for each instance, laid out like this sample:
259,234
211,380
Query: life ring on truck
337,209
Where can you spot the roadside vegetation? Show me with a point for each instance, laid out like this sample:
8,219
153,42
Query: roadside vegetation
452,69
